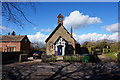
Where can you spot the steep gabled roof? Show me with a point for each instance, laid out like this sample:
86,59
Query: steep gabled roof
12,38
60,16
56,30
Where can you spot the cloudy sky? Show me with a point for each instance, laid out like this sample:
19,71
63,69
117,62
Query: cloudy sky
89,20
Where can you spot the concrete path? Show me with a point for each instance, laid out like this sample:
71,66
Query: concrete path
105,58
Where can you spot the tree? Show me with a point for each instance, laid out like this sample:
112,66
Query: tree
38,46
85,44
91,44
101,44
8,33
13,33
119,45
14,12
114,47
88,44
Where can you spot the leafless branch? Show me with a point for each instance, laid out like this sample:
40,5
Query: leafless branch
11,10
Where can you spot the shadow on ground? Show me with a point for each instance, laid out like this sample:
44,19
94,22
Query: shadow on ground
99,70
89,71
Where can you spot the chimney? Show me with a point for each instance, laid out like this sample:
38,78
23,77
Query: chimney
71,31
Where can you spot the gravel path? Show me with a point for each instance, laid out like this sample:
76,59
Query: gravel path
62,71
104,57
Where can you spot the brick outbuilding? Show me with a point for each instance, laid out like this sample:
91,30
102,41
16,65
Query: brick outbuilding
11,43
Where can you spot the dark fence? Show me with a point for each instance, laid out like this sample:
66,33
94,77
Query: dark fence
8,56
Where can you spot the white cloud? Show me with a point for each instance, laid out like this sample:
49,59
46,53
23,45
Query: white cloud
38,37
4,28
35,28
77,19
45,30
94,37
112,28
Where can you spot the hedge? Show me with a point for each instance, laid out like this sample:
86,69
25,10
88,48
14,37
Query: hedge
79,58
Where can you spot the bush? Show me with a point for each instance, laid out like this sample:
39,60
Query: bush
89,50
105,50
48,58
79,58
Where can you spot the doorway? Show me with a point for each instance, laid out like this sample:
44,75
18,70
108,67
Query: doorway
59,50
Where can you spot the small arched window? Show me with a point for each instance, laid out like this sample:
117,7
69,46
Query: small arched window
60,19
25,40
51,45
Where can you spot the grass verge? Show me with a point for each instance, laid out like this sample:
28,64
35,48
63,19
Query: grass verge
113,55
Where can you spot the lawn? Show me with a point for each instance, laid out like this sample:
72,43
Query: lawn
113,55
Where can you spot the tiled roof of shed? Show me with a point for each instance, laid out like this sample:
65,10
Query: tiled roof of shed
12,38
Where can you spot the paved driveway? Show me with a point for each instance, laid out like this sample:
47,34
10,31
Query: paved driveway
61,71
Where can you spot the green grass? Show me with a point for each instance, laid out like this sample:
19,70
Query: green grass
113,55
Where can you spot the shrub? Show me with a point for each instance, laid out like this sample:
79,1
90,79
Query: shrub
79,58
105,50
48,58
89,49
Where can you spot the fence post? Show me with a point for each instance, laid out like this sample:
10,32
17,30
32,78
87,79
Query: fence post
20,58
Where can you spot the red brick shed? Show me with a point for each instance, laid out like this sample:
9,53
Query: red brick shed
11,43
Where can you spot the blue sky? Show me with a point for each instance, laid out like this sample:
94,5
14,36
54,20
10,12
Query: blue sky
46,14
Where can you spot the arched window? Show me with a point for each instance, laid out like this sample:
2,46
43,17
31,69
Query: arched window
51,45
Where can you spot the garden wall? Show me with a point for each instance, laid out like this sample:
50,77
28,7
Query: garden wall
7,56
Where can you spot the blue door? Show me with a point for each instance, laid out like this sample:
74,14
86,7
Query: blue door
58,50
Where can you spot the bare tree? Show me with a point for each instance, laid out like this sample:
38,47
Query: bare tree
38,46
14,12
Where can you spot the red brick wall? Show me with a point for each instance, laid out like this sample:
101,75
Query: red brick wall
25,45
4,45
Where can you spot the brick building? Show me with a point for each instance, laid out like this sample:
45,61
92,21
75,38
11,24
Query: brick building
11,43
60,41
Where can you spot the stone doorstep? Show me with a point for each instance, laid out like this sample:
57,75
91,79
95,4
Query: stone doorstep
59,57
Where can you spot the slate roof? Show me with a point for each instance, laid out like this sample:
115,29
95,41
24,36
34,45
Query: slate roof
56,30
12,38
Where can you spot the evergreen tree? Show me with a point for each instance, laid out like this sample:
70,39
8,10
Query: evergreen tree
8,33
13,33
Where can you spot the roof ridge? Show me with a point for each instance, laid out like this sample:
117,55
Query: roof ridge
56,29
13,37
